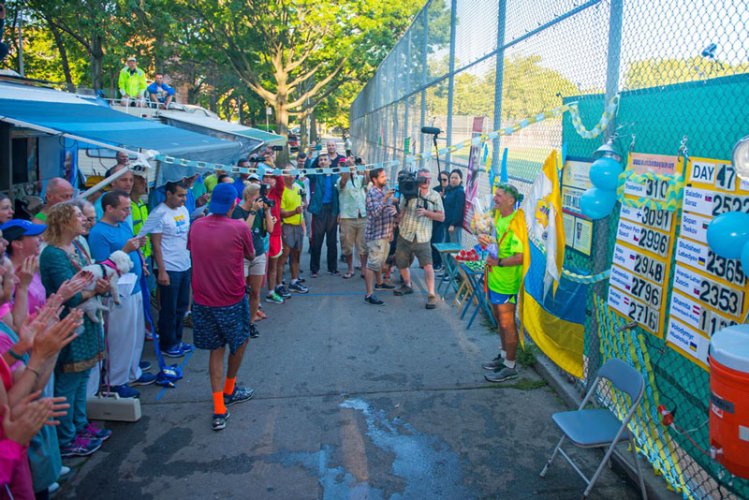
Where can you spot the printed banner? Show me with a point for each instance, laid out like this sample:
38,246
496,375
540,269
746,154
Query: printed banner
472,176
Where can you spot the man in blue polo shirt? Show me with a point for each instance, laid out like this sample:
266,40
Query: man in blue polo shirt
126,321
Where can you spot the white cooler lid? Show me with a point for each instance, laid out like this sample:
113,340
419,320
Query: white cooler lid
730,347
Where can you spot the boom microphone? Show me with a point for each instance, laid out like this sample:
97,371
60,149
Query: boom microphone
431,130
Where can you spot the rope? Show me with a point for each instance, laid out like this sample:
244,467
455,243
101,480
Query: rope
572,108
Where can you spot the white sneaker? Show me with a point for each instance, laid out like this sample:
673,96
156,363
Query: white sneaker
53,488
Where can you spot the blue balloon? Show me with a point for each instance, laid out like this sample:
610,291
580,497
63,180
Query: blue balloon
745,258
597,203
728,233
604,173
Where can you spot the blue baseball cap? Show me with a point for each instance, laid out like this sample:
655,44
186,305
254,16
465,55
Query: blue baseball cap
15,229
222,198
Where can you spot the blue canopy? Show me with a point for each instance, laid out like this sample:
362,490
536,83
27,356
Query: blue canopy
118,129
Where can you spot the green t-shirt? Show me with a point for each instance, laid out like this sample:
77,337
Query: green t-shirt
210,182
506,280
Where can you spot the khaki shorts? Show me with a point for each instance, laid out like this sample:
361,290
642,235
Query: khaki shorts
256,266
292,236
405,251
377,253
352,234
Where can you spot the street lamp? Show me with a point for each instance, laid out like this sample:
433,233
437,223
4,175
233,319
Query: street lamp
741,158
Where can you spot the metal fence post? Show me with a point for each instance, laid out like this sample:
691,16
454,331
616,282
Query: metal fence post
499,76
451,82
601,228
424,73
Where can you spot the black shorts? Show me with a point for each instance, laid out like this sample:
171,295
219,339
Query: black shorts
214,327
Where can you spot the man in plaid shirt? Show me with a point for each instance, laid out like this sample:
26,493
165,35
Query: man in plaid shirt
381,214
415,235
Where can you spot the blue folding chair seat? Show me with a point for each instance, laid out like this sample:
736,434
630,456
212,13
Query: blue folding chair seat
590,429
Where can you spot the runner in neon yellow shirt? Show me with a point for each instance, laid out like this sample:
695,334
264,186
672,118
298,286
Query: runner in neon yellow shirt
503,282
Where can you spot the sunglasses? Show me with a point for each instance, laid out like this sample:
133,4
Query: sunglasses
442,179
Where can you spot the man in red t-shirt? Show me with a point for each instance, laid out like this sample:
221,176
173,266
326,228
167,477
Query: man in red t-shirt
218,245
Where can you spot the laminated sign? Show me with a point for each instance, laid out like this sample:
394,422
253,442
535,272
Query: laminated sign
709,291
578,229
644,241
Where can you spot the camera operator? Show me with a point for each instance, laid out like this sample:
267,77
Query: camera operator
259,219
415,234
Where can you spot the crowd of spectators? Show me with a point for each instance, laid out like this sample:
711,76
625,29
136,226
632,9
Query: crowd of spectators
54,357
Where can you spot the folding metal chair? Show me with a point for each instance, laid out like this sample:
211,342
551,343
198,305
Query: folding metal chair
599,427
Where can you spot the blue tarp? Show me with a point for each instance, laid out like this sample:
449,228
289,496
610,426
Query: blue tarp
119,129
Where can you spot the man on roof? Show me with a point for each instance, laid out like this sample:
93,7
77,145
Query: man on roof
132,84
160,93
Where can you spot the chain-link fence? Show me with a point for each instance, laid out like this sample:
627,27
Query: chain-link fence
681,71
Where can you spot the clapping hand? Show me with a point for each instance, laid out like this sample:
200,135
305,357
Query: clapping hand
29,415
26,271
75,284
33,324
49,341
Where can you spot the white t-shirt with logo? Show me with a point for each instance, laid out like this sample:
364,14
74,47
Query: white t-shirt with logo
173,224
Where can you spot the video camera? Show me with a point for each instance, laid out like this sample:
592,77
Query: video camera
264,196
408,184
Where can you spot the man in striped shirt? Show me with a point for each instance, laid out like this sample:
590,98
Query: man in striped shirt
381,214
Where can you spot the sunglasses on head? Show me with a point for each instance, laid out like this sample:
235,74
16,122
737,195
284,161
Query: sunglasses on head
511,190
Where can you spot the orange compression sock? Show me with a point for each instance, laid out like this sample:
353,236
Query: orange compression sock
219,408
229,386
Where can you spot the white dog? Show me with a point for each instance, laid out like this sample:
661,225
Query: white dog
116,265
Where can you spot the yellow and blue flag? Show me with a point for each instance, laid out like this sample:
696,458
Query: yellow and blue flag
556,321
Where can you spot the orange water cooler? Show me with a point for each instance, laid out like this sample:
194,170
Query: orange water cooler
729,399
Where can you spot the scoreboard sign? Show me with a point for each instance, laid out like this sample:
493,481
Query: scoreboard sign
709,291
644,240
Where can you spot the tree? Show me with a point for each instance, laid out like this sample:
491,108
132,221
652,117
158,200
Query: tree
295,54
529,88
659,72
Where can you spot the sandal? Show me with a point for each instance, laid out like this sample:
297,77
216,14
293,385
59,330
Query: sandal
261,315
347,276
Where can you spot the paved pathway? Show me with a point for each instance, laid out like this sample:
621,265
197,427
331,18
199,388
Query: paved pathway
352,401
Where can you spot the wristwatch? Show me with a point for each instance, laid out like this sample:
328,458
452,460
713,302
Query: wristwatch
252,212
499,263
